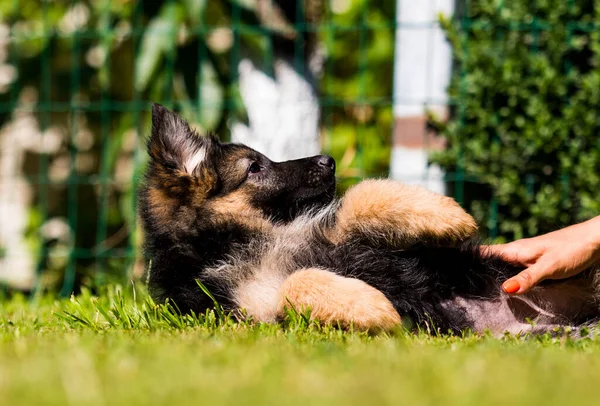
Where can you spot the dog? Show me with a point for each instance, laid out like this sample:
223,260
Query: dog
264,236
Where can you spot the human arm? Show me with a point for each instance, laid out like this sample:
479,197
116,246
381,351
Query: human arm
556,255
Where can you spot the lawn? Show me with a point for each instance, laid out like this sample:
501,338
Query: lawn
121,349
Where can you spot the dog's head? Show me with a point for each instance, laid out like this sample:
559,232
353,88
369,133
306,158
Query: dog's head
189,173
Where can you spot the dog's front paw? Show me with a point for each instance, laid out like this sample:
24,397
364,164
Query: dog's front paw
334,299
401,215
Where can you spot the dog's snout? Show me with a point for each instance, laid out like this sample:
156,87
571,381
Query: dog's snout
326,161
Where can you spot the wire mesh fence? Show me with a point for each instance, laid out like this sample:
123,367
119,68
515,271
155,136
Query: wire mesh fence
77,78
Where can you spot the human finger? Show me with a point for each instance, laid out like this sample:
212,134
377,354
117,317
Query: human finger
509,252
524,280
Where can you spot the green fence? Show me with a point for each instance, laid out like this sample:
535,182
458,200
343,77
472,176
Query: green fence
79,78
76,78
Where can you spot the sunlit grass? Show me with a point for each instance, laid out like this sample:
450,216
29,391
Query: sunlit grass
120,348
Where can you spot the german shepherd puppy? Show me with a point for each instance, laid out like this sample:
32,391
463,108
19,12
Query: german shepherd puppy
263,235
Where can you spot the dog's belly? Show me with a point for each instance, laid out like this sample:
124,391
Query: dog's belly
495,316
571,303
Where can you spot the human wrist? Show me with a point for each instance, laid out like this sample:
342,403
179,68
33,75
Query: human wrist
592,231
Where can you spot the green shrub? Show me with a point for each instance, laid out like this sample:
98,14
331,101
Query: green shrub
523,149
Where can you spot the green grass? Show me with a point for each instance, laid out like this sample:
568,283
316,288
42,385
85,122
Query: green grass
121,349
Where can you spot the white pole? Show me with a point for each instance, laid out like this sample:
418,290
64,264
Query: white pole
422,68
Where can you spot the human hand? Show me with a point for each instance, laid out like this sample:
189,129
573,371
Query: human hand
555,255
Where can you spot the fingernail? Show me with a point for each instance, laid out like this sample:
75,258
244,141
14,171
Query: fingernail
511,286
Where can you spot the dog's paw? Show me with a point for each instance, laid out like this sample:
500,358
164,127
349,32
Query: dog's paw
334,299
401,215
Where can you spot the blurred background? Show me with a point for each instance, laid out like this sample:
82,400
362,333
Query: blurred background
494,103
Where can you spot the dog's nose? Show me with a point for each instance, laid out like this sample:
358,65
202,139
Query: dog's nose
326,161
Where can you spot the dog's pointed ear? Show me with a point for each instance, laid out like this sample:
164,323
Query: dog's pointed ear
175,145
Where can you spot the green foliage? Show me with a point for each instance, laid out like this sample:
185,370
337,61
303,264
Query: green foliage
357,87
524,129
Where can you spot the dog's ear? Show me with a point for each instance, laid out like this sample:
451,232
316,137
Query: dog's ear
173,144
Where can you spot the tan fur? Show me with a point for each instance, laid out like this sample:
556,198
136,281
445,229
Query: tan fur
235,205
160,206
164,207
335,299
401,215
204,181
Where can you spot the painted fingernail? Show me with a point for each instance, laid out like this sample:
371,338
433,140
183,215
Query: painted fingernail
511,286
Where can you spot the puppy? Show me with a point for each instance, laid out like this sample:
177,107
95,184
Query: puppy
264,235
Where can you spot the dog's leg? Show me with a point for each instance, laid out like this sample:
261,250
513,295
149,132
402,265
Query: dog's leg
335,299
399,215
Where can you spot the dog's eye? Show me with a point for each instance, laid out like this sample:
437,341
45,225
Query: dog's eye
254,168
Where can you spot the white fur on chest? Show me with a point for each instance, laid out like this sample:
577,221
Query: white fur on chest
260,296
